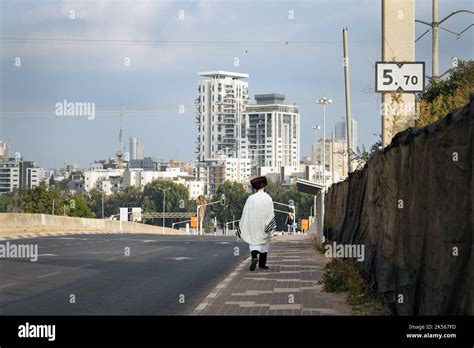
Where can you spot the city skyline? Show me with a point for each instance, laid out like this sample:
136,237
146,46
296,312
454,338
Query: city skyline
160,80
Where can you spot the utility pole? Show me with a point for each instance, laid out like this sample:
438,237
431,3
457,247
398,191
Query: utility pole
348,101
324,101
102,204
434,26
332,158
164,205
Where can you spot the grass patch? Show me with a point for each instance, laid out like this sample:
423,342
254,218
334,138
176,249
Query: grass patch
320,248
342,276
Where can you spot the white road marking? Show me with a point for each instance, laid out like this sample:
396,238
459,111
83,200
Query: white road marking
83,266
180,258
7,285
49,274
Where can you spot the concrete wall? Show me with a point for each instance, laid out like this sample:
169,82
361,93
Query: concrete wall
15,222
411,207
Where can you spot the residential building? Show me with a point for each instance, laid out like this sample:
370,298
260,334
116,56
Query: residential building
9,176
107,180
19,173
271,132
216,171
221,100
147,163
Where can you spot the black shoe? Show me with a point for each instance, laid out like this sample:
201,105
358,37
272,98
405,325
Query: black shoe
262,261
253,265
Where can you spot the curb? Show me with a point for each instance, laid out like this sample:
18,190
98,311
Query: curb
218,289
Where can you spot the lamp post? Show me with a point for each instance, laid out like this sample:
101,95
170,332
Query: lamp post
164,204
102,193
324,101
316,127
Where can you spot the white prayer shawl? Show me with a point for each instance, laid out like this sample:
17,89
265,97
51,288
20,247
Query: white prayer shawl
258,219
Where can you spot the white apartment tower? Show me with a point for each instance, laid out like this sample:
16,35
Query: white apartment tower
271,136
220,104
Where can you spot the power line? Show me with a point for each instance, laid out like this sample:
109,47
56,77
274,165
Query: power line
188,110
16,40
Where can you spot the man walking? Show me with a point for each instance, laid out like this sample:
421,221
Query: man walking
258,223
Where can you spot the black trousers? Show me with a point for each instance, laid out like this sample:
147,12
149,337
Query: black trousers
262,260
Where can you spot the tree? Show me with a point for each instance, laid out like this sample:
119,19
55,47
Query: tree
445,96
235,197
177,198
78,207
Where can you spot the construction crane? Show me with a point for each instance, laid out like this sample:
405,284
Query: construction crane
119,153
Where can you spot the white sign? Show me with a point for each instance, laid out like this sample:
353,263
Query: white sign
136,214
123,214
399,77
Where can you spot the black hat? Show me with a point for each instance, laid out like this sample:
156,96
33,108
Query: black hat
259,182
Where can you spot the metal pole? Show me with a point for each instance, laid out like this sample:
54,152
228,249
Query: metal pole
102,204
435,26
164,205
53,206
332,158
197,218
324,146
348,101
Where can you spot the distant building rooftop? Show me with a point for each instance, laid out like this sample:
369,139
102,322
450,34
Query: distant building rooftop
272,98
220,73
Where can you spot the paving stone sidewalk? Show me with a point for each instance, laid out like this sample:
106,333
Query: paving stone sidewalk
289,287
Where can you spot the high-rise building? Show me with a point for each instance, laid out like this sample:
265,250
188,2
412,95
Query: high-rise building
4,150
220,104
340,132
271,133
140,153
133,148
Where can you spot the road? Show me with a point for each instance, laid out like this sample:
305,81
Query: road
163,275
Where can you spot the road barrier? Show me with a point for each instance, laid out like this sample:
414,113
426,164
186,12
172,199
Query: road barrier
12,223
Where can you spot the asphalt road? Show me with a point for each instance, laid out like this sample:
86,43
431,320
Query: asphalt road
160,274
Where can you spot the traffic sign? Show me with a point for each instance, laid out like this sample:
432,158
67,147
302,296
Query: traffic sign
405,77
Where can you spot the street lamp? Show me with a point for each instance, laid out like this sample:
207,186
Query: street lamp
316,127
102,192
324,101
164,204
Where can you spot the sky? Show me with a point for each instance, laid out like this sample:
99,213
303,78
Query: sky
77,51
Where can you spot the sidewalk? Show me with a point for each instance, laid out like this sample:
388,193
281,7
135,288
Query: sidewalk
289,287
